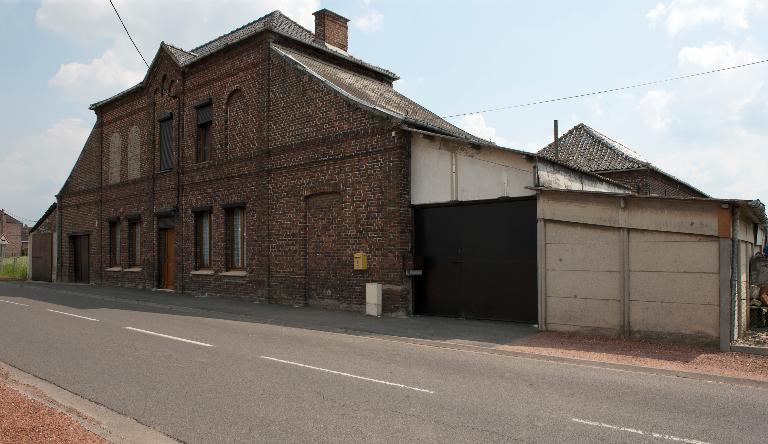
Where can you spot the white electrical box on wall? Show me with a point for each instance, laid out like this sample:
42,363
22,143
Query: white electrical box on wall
373,299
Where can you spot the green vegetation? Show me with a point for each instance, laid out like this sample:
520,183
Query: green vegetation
13,268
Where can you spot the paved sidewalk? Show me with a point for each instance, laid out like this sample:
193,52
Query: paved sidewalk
471,332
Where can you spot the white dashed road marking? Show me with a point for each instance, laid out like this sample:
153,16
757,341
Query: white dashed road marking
349,375
168,337
638,432
73,315
14,303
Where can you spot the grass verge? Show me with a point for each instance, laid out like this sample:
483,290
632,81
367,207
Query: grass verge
14,268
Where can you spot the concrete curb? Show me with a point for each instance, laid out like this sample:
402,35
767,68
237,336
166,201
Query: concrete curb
108,424
569,361
763,351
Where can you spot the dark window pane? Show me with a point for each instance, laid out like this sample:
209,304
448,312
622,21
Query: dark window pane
166,145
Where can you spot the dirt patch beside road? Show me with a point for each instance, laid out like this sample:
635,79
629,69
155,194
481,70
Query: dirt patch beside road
27,420
646,354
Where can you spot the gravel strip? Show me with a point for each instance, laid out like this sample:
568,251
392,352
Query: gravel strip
25,420
646,354
755,338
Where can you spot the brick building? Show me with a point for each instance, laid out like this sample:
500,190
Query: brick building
261,164
252,166
586,148
15,233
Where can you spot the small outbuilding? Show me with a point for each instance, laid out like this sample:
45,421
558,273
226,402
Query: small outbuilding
504,234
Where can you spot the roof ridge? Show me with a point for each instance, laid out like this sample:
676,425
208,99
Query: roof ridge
295,22
327,63
264,17
419,115
177,47
631,154
639,159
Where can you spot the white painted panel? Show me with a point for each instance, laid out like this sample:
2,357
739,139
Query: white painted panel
430,174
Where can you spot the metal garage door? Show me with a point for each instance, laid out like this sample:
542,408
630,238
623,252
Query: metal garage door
479,261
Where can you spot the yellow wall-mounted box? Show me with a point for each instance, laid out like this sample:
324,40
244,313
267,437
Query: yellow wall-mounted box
361,261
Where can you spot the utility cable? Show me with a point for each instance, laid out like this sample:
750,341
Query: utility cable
594,93
129,34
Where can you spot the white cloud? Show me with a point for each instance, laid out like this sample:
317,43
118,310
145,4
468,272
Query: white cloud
369,22
713,55
710,130
35,168
656,13
149,22
475,124
732,89
683,15
97,79
654,107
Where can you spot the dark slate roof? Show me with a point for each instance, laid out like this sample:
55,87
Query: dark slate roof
372,94
11,220
182,57
42,219
591,150
276,22
586,148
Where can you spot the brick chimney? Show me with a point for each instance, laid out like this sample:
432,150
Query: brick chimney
331,28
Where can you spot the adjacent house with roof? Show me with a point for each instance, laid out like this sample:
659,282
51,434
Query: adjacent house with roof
271,165
14,233
586,148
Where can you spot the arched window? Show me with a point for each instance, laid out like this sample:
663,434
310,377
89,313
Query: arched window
114,158
162,85
133,156
235,116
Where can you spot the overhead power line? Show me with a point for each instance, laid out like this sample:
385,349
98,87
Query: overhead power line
22,219
129,34
594,93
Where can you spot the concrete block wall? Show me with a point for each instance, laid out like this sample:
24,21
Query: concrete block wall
636,267
653,285
583,278
674,285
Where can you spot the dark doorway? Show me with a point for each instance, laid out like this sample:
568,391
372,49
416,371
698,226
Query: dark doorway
479,261
41,256
81,259
167,255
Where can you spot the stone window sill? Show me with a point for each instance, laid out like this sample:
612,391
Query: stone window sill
114,269
202,272
237,273
133,269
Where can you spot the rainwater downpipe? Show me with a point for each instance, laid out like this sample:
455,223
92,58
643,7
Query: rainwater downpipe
735,273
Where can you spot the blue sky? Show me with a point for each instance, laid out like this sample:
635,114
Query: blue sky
452,56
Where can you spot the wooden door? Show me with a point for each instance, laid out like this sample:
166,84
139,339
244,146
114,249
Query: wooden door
167,258
40,255
81,260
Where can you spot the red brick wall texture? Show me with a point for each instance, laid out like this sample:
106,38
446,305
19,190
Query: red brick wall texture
320,177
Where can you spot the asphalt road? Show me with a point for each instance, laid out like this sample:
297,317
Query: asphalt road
208,379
